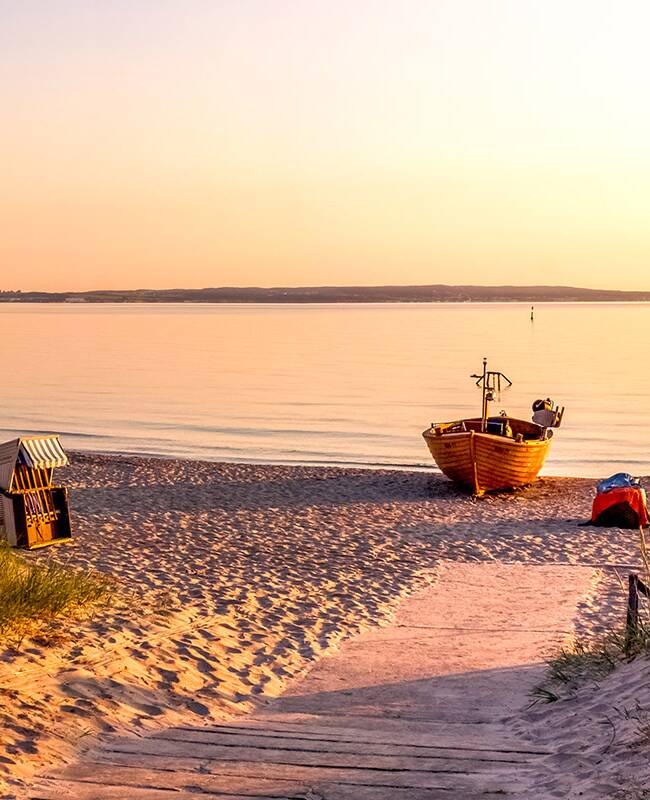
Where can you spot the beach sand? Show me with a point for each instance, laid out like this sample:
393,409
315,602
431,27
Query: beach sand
233,579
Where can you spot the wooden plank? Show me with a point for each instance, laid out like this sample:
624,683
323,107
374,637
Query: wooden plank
403,722
454,735
337,791
58,790
312,774
93,773
216,752
382,726
266,741
441,712
98,779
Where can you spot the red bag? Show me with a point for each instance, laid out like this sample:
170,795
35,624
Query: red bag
620,508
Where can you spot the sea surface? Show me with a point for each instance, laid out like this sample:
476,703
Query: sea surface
324,384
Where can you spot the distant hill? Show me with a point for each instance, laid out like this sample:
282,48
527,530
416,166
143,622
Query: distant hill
333,294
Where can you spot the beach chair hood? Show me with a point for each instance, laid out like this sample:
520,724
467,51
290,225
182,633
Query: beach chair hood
35,452
42,452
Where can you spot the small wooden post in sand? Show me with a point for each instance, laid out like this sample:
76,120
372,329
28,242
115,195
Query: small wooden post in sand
635,587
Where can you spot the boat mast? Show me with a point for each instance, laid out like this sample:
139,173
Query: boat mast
484,408
489,382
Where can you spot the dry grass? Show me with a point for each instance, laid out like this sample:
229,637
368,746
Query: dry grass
594,660
573,665
637,639
34,595
585,661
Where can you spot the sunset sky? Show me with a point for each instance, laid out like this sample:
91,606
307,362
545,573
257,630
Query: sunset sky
166,143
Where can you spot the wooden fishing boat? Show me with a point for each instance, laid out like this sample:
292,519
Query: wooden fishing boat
487,453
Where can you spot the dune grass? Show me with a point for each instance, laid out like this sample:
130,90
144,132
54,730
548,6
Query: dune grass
34,594
576,663
593,661
596,659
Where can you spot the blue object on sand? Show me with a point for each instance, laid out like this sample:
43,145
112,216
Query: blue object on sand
622,480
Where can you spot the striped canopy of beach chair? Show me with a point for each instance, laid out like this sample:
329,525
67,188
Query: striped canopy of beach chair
42,452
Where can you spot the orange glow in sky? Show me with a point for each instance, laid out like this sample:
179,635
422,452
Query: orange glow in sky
206,143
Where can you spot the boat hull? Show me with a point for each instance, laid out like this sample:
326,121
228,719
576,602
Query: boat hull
484,462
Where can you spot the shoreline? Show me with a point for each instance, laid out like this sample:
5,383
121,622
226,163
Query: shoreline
264,463
232,579
429,468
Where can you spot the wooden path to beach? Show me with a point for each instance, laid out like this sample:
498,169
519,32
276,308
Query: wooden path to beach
418,710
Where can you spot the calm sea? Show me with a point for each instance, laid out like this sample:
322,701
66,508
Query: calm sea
323,384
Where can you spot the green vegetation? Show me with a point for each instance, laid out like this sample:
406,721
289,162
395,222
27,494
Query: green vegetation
33,595
597,659
580,661
594,661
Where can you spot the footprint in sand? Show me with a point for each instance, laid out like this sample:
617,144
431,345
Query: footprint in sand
198,708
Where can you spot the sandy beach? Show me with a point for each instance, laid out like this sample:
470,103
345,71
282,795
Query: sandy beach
231,580
401,242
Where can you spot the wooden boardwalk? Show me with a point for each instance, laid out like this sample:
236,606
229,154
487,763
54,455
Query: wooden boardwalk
289,760
405,712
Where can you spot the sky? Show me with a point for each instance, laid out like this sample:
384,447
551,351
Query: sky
191,143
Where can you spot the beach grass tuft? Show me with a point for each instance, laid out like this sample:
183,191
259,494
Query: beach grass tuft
579,662
584,661
33,595
596,659
544,695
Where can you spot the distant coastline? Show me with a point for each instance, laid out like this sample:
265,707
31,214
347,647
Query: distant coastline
437,293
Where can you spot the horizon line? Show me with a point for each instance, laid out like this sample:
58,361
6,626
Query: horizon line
323,287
